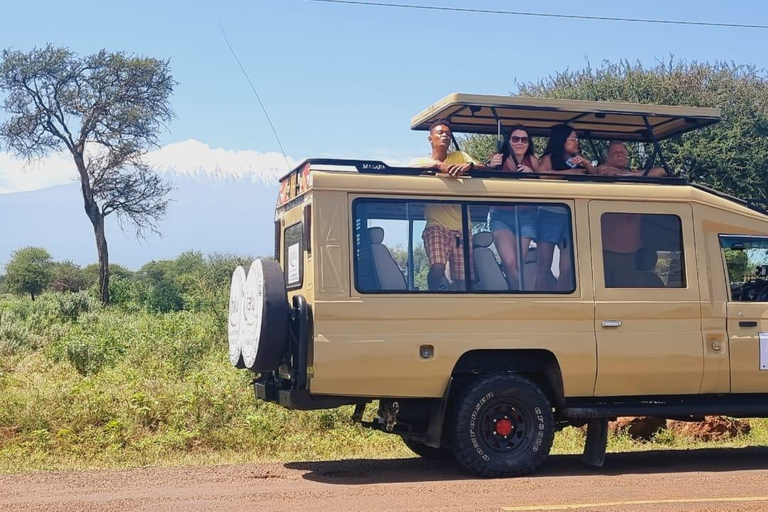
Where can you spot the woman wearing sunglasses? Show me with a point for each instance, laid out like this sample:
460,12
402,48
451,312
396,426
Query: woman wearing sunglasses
505,221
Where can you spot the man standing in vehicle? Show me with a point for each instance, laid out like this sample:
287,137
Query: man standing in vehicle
617,164
443,236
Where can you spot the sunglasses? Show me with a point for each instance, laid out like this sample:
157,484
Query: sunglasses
515,139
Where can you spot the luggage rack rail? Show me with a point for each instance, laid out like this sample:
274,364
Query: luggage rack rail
379,167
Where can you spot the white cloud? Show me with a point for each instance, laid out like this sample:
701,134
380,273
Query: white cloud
20,176
188,158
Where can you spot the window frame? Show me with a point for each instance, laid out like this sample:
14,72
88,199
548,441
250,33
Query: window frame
684,212
465,204
286,259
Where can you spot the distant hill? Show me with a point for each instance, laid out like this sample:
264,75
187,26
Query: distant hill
208,214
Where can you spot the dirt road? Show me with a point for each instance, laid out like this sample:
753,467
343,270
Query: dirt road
724,479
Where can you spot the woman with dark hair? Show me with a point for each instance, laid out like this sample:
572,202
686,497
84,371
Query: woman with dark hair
516,155
562,153
553,226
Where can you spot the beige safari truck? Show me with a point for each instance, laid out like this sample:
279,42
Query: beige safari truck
637,295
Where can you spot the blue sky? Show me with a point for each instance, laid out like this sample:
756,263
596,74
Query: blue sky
345,80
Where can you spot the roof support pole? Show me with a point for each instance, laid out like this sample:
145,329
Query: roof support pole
411,277
594,149
657,147
499,143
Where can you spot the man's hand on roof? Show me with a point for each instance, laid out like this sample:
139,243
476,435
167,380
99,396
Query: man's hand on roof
456,170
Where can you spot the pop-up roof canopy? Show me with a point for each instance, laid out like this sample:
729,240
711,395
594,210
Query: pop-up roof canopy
475,113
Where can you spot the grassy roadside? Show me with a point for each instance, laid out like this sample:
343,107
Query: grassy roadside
82,387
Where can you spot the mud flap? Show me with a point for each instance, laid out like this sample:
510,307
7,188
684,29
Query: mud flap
597,442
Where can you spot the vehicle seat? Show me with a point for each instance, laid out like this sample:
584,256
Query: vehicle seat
389,273
645,263
487,269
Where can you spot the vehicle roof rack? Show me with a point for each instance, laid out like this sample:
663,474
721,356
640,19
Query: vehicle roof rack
379,167
603,120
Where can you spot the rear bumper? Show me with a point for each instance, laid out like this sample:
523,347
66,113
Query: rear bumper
300,399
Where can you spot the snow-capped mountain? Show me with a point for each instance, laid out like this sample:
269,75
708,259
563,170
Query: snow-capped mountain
222,201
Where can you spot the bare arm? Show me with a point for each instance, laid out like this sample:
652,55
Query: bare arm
545,164
607,170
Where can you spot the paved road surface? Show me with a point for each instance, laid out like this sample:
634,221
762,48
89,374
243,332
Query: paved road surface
716,480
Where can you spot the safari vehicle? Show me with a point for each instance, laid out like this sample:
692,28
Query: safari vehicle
488,374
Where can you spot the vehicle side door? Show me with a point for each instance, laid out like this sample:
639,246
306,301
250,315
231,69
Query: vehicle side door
647,301
746,258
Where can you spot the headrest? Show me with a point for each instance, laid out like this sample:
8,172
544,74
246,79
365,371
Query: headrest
482,239
376,235
646,259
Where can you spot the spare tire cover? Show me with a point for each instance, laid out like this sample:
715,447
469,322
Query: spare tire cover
264,330
236,302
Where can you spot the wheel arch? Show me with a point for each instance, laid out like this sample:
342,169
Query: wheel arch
538,365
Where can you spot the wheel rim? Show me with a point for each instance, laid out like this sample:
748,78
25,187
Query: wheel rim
505,427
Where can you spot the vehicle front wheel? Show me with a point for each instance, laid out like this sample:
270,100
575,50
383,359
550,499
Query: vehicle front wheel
428,452
502,425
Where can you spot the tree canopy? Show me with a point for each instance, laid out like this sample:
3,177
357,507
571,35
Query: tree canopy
106,110
29,271
731,156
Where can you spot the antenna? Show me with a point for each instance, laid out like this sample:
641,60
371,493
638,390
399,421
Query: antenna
226,39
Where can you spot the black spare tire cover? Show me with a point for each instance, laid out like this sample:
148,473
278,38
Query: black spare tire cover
264,329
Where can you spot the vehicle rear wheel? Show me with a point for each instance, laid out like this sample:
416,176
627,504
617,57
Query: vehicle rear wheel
502,425
428,452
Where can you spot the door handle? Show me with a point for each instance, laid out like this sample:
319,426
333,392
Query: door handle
611,323
747,323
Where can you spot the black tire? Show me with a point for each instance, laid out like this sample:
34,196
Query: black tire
502,425
428,452
265,329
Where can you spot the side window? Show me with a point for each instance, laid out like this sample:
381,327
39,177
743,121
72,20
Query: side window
293,266
419,246
389,249
642,250
747,260
522,247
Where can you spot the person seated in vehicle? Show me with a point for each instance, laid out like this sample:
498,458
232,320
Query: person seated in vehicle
617,164
621,241
517,155
561,156
443,237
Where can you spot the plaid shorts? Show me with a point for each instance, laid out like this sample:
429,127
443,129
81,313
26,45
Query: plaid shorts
444,246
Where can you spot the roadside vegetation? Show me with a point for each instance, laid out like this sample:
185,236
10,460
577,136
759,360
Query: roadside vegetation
146,381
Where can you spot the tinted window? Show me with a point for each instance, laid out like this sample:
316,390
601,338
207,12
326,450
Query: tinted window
438,247
747,262
642,250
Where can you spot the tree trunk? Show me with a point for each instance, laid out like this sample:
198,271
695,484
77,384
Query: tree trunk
97,220
103,251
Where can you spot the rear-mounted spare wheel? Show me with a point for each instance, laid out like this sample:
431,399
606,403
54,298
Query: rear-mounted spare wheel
236,303
264,329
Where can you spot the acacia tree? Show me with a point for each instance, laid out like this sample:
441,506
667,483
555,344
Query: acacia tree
731,156
106,110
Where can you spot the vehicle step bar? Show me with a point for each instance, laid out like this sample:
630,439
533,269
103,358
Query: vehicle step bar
717,405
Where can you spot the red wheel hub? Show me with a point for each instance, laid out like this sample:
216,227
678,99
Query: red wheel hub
504,427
